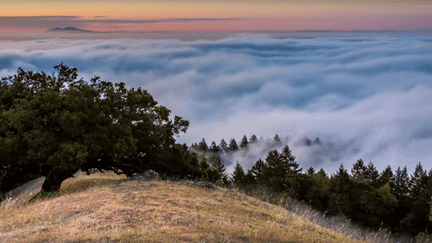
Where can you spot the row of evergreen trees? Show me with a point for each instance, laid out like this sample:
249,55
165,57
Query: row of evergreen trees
224,147
386,199
244,144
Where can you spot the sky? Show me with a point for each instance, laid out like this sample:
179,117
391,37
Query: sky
204,15
365,96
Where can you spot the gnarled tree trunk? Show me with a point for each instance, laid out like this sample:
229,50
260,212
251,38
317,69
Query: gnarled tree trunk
55,178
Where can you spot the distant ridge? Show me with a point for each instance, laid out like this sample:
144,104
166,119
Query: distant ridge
69,29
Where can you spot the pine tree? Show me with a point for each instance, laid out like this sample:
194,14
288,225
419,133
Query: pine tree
214,147
310,171
223,146
418,183
358,170
279,167
238,175
371,174
400,183
233,146
204,164
418,218
385,176
341,189
288,160
257,169
220,169
253,139
244,142
202,146
249,180
277,139
322,172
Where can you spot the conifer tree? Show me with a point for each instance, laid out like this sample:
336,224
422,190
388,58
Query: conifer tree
277,139
288,160
202,146
214,147
358,170
244,142
238,175
253,139
371,174
249,180
279,166
400,183
204,164
417,219
220,169
257,169
310,171
223,146
322,172
233,146
385,176
341,188
418,182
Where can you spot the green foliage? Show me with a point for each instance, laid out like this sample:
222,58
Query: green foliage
214,148
233,146
257,169
53,125
244,142
238,175
278,167
223,146
420,196
202,146
363,173
310,171
220,176
318,195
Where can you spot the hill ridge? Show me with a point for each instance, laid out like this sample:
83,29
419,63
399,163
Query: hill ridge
69,29
109,208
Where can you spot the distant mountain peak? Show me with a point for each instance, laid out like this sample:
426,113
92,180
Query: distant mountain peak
69,29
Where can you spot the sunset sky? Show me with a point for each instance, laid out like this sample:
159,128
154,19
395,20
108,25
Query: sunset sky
239,15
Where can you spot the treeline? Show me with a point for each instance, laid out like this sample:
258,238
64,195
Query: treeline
244,144
388,199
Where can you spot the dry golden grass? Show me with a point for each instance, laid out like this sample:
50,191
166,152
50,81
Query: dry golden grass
104,207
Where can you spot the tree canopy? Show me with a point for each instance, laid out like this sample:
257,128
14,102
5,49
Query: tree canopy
54,125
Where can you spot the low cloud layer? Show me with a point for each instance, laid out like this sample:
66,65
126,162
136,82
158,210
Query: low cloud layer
364,97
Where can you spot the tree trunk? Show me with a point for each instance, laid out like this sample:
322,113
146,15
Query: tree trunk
55,178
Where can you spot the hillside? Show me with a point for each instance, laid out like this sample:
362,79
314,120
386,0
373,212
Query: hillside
105,207
68,29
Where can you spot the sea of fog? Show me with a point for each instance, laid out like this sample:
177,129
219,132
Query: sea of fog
364,95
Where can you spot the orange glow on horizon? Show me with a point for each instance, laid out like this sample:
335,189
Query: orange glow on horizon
250,15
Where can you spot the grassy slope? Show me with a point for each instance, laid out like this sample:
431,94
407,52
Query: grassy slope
107,208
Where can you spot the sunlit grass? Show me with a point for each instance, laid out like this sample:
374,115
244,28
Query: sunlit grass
106,207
